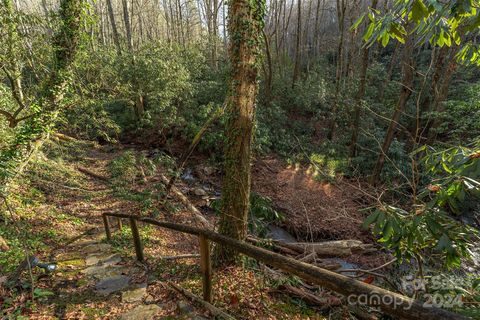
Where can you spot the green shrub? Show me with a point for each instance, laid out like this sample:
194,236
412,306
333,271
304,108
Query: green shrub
123,169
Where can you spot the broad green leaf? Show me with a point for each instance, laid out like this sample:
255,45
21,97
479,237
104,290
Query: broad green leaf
357,23
370,219
419,10
369,32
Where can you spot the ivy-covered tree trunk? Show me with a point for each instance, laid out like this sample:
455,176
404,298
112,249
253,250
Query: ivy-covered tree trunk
245,29
65,44
44,112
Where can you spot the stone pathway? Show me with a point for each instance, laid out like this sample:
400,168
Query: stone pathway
97,266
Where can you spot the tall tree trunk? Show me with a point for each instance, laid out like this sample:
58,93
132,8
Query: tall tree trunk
138,99
405,93
269,69
341,8
128,25
441,94
359,96
391,66
298,41
306,35
214,43
245,26
426,97
316,32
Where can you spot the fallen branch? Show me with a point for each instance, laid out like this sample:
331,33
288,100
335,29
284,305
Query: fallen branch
64,137
370,271
196,140
92,174
214,310
196,213
275,246
339,248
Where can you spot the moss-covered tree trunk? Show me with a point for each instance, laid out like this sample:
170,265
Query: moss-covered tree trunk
245,26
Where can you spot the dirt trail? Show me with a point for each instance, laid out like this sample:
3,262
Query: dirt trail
95,279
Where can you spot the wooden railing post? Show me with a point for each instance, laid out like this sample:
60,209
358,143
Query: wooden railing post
136,239
119,221
107,227
206,267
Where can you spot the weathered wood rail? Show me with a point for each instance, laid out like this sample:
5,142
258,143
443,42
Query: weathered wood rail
389,302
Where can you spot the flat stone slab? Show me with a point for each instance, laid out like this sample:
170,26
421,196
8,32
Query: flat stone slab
112,260
135,295
113,284
144,312
97,248
105,258
102,271
184,307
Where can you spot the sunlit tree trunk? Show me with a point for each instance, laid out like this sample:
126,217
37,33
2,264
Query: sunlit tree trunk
245,26
128,25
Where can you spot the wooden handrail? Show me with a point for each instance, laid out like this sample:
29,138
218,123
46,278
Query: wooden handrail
390,302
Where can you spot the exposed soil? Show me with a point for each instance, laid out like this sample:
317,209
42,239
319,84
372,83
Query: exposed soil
315,210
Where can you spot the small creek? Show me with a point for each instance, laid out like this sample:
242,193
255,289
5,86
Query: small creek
280,234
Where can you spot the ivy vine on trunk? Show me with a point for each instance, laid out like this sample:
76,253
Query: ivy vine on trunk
245,29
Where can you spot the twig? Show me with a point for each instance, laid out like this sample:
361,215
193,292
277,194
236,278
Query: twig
370,270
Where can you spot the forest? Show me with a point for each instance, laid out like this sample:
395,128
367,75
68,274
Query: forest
240,159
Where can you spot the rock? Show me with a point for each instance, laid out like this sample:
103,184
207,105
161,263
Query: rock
111,260
71,264
112,284
199,192
101,271
97,248
208,171
142,312
184,307
135,294
150,299
187,175
92,260
107,259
